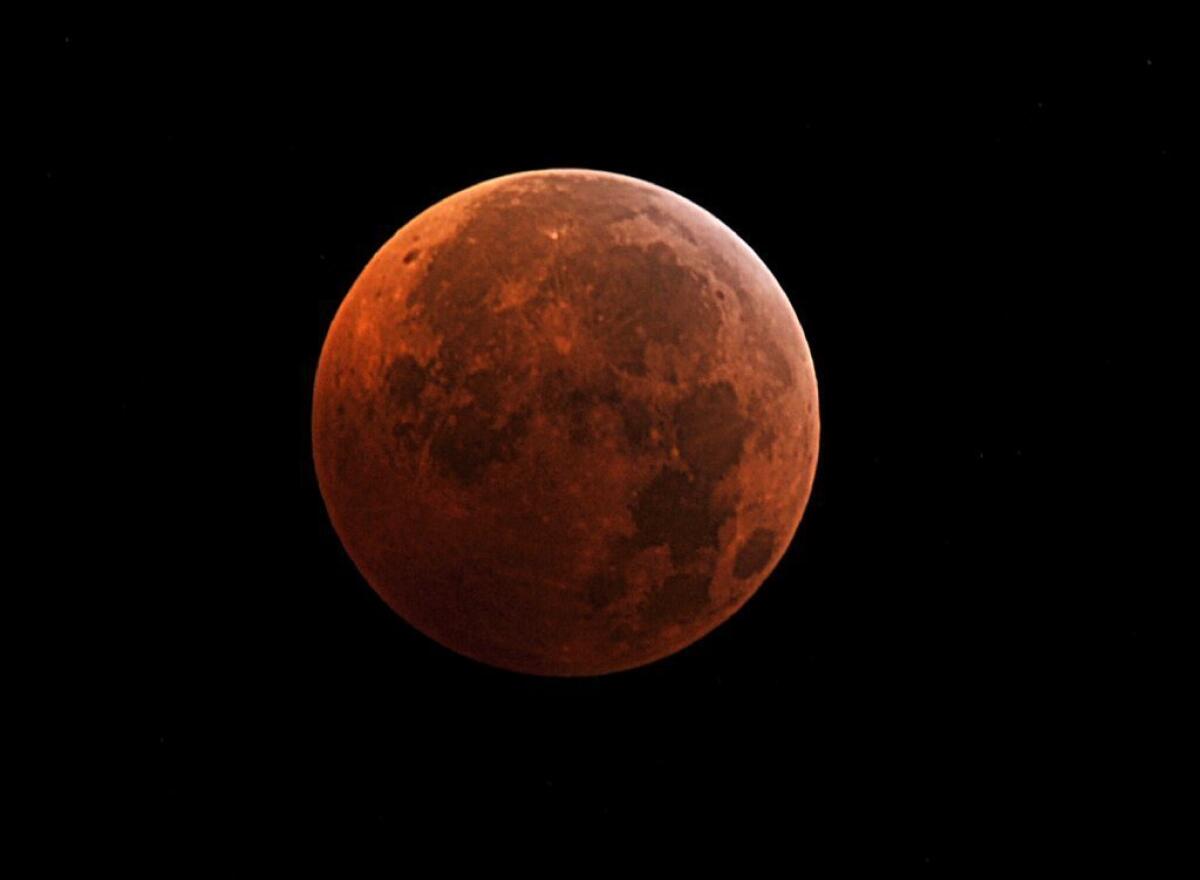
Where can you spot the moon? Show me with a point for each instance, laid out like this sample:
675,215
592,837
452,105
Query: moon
565,422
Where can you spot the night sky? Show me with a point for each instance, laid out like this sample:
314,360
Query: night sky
958,662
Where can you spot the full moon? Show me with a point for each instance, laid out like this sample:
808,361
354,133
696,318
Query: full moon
565,422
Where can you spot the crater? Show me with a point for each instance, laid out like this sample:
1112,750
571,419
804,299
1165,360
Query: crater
679,511
466,444
405,433
643,295
754,554
636,418
680,599
576,401
405,379
579,410
485,389
777,363
606,586
711,430
664,220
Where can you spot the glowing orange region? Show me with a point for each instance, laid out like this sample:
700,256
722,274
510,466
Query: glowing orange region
565,422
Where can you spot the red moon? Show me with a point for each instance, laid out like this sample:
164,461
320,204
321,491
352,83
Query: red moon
565,422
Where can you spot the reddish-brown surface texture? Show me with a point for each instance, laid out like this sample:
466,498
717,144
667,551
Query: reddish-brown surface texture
565,422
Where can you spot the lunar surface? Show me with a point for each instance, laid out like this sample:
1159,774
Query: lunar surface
565,422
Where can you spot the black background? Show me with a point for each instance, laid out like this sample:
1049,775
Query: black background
958,661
